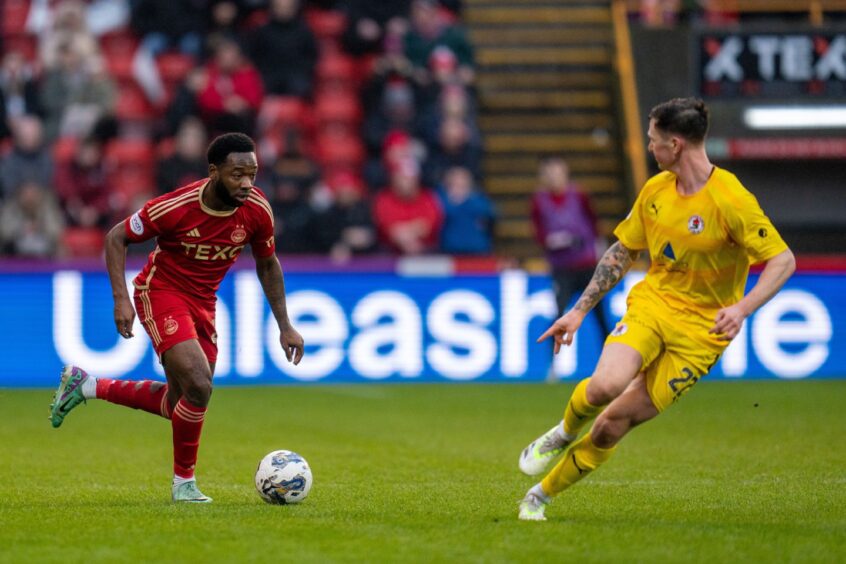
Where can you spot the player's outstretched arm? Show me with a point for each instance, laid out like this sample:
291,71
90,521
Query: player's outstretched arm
116,244
269,273
776,272
613,265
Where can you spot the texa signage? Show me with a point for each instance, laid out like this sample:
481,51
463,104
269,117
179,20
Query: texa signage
771,64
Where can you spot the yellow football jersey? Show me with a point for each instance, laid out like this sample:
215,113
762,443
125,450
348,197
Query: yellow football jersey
700,246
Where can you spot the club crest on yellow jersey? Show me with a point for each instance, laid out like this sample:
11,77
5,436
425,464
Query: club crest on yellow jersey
695,224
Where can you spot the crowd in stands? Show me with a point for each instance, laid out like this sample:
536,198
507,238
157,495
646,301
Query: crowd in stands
363,111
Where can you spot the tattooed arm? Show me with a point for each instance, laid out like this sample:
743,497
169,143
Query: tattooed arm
613,265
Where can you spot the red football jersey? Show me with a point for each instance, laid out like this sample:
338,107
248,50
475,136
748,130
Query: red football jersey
197,245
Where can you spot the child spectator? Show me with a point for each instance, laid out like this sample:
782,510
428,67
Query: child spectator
468,215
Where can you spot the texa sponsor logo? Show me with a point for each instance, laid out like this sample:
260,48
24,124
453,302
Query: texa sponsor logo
135,223
695,224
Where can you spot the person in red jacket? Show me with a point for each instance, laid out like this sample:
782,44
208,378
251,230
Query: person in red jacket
408,217
233,91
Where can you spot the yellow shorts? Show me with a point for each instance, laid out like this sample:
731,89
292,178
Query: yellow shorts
676,349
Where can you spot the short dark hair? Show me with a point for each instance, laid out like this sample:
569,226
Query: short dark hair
546,160
227,143
687,117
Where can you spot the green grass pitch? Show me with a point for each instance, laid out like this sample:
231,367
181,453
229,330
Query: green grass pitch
737,472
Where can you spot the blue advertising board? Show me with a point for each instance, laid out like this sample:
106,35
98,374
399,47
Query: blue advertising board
375,327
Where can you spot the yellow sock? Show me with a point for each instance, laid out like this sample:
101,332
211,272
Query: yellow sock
580,460
579,410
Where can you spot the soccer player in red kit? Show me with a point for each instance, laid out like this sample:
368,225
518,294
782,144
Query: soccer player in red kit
201,229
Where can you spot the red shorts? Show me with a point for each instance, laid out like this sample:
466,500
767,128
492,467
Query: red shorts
173,317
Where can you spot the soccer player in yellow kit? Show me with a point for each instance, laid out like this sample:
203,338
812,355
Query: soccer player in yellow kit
702,230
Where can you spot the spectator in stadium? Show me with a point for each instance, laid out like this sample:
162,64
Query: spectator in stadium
455,147
368,22
225,17
76,94
31,223
18,91
67,24
430,30
285,51
565,227
29,160
233,90
396,145
408,217
702,230
82,187
293,211
348,224
188,162
468,215
184,103
395,111
291,166
453,102
97,17
164,25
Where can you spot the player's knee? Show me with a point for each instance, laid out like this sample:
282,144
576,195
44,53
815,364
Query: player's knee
600,391
606,432
198,391
198,394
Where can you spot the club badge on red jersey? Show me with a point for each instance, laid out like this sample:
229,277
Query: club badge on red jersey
238,234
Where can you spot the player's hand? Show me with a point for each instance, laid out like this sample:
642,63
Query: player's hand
728,323
563,329
124,317
292,344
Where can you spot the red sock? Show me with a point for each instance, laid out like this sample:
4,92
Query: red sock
144,394
187,423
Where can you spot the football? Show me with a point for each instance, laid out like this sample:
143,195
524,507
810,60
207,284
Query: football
283,477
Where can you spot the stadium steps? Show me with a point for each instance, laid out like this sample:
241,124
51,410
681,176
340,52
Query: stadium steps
546,87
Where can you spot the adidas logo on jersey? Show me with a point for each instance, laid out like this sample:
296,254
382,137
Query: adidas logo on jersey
193,233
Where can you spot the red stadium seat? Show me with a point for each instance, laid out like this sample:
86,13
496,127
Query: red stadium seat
23,43
281,112
64,149
173,67
165,148
13,16
83,241
138,152
132,105
337,73
119,66
129,187
121,43
326,23
337,107
340,150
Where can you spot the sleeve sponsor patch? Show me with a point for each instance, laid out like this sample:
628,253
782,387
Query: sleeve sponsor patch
135,224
